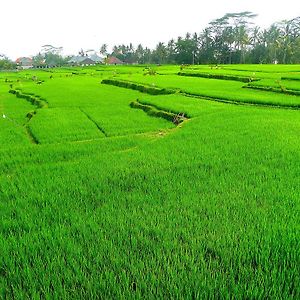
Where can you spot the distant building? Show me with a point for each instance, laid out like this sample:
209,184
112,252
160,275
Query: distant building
81,61
51,64
96,58
24,63
39,63
112,60
91,60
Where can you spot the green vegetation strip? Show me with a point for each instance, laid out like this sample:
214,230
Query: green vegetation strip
230,101
92,120
35,100
219,76
153,111
227,93
32,138
291,78
138,87
281,90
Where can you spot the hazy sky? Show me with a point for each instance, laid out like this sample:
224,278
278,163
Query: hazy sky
26,25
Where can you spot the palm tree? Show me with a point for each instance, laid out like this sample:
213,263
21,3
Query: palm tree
103,49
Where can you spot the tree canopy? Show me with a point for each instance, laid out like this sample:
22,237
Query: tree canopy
232,38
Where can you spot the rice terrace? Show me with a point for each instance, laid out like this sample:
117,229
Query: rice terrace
102,191
152,174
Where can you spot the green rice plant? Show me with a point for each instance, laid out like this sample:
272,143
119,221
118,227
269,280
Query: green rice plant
152,90
125,120
214,89
58,125
292,78
106,106
153,111
35,100
218,76
208,209
13,117
284,86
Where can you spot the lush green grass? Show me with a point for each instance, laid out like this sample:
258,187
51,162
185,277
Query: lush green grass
253,71
265,68
213,88
177,103
222,70
11,133
84,100
13,113
63,124
209,209
278,84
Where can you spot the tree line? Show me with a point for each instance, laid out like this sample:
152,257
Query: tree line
231,39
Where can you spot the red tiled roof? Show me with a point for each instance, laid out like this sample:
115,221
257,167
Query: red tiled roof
23,59
112,60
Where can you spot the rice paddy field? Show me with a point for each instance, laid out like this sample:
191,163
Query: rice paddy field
117,184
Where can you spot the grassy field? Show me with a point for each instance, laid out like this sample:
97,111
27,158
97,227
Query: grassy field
99,199
215,89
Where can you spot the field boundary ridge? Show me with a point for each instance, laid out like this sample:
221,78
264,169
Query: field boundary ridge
33,99
138,87
219,76
154,111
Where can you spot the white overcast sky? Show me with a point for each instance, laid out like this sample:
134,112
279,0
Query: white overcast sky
26,25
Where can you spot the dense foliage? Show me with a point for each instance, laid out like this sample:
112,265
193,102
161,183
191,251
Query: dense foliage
230,39
6,64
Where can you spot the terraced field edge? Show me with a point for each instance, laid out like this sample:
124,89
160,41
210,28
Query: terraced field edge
153,111
219,76
138,87
34,99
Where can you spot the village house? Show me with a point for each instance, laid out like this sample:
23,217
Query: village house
24,63
91,60
96,58
112,60
81,61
